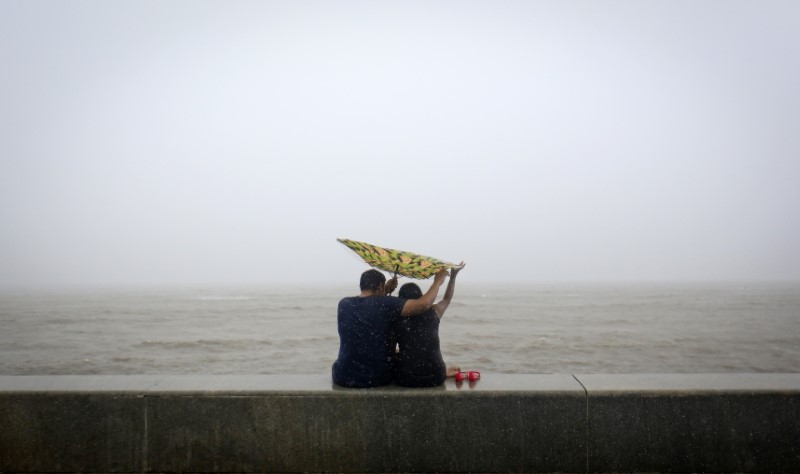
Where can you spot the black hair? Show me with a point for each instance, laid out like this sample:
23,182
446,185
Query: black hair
371,280
410,291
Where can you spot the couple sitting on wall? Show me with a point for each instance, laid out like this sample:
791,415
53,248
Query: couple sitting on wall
372,324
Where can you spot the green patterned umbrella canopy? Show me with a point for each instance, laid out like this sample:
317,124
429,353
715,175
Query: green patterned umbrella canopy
408,264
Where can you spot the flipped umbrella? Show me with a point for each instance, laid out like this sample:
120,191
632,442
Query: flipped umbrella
399,262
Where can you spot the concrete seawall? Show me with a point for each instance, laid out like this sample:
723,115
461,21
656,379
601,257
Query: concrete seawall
302,423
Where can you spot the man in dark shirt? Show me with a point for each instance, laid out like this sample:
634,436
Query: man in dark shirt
366,329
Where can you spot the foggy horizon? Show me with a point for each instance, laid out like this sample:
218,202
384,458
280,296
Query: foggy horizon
186,144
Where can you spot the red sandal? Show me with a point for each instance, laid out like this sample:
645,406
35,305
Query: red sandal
472,375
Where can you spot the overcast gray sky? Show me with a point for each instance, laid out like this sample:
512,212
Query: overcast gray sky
195,142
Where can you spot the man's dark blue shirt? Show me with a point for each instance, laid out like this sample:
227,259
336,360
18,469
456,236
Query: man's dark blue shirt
367,340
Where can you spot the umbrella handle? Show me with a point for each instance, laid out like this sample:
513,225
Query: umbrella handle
396,267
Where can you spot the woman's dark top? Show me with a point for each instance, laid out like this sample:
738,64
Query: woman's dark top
419,360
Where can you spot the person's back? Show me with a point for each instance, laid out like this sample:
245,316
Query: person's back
419,358
367,340
419,361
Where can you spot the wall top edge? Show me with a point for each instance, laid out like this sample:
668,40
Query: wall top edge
690,383
489,384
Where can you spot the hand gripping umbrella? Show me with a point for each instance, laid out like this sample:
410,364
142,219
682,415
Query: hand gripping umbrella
398,262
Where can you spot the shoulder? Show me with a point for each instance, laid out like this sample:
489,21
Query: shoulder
348,302
391,302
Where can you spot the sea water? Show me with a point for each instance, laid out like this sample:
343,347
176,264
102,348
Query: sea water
533,328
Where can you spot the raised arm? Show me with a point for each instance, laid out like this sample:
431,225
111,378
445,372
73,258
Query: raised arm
420,305
441,306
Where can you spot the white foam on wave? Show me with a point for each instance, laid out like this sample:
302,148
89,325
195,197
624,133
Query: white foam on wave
224,298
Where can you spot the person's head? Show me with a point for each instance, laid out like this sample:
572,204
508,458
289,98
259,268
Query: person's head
410,291
372,280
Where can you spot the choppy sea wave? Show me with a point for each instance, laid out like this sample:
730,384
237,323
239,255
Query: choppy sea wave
506,329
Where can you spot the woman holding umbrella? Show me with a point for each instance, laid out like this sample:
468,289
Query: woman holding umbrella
419,361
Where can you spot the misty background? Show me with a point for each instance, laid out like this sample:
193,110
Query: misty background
196,142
